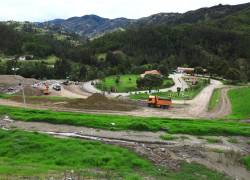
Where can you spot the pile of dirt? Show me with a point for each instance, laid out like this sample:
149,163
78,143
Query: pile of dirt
97,98
30,91
100,102
15,79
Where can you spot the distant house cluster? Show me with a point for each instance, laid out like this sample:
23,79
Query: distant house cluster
188,70
25,57
185,70
152,72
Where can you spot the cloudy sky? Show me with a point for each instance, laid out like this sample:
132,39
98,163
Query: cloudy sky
42,10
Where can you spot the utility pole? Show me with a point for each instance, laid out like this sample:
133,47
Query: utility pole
21,85
24,99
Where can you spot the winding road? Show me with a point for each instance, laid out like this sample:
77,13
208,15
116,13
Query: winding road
177,78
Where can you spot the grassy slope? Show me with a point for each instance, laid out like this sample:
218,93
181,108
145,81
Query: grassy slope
214,99
24,153
240,99
197,127
246,161
125,84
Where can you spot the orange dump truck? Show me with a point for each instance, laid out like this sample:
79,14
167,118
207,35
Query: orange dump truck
46,90
154,101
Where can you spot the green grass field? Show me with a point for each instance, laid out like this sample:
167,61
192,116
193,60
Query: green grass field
33,154
187,95
240,99
183,126
50,60
246,161
214,101
127,83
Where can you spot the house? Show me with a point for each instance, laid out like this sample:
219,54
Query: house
25,57
155,72
185,70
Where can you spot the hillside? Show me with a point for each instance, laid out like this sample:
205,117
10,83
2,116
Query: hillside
93,26
215,38
218,42
89,25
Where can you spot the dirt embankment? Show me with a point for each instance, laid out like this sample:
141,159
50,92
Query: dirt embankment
94,102
15,80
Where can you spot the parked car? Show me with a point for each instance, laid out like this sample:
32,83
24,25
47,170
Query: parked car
57,87
66,83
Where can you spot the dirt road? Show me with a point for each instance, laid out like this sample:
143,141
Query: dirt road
148,144
224,106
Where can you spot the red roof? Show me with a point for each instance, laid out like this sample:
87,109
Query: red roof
152,72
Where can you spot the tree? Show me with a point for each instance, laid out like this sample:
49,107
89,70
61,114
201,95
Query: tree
2,68
62,68
163,68
150,81
117,80
198,70
233,74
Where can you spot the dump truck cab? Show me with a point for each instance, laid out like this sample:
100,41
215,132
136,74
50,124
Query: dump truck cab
155,101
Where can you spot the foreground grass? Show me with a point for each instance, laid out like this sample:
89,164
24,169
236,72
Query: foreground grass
246,161
168,137
127,83
214,101
29,154
195,127
240,99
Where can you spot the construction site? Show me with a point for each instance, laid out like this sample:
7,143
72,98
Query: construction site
83,97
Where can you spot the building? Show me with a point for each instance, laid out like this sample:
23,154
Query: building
185,70
155,72
25,57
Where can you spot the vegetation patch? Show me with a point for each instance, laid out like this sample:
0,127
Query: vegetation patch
213,140
186,95
37,154
182,126
246,161
168,137
233,140
214,101
240,103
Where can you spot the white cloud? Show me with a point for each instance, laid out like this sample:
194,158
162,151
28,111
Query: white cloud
41,10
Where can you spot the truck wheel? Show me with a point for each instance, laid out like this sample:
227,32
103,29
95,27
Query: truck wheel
149,105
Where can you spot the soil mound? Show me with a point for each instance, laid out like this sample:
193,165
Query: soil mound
15,79
97,98
100,102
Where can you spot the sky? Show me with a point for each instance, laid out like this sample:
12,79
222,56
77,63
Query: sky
43,10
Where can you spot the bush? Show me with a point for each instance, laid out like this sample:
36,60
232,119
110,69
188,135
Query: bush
140,126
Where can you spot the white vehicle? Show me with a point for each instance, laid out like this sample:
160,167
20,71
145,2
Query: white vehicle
57,87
